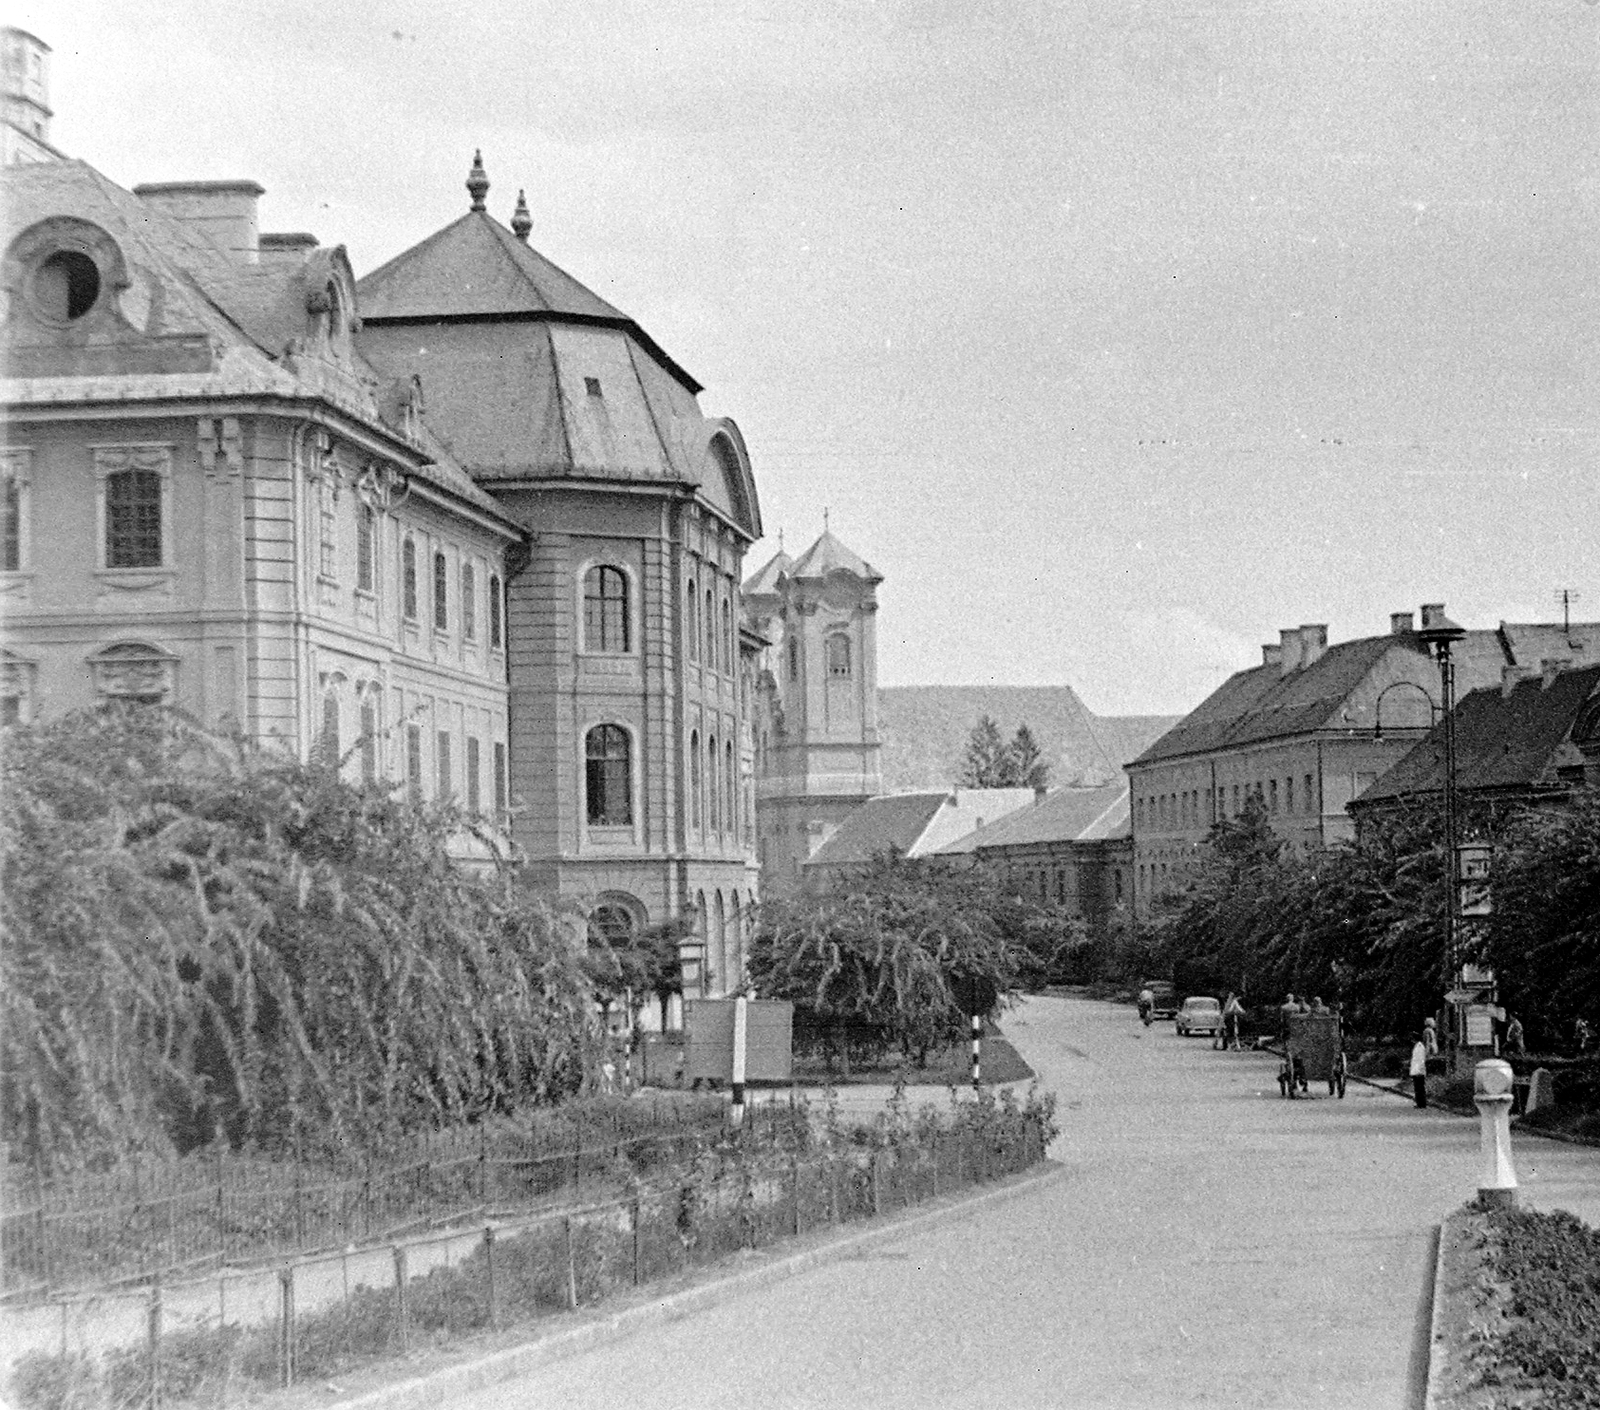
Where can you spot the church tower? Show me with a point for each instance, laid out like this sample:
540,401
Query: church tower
817,719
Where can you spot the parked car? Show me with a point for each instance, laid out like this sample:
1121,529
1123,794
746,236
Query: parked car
1199,1015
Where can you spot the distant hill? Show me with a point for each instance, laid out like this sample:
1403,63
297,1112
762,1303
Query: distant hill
924,729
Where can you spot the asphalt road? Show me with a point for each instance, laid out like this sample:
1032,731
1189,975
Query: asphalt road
1211,1245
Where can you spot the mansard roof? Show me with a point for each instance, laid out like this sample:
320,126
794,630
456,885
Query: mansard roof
197,321
827,555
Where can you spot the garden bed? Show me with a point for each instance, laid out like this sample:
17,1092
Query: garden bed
947,1067
1517,1312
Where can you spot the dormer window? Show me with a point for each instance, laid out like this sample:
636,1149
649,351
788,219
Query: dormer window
66,285
591,385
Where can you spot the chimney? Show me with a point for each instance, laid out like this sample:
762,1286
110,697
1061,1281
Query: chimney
1510,675
1400,624
1313,642
1550,668
286,247
1433,615
1039,792
222,211
1271,653
1289,650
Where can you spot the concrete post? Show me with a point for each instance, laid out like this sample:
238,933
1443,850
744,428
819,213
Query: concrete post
1492,1084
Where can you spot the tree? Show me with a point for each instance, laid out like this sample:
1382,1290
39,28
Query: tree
992,763
201,936
988,764
1027,766
875,964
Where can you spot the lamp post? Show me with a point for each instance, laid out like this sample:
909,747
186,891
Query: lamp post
1440,633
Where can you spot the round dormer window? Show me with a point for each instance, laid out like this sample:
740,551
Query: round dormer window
66,285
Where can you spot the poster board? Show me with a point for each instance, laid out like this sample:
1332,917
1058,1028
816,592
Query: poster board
769,1047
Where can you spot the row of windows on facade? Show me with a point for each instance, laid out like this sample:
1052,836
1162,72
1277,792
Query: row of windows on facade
1038,881
713,782
132,505
366,750
1158,810
835,653
410,597
702,637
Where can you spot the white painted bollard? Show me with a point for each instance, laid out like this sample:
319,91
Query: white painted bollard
1492,1082
741,1038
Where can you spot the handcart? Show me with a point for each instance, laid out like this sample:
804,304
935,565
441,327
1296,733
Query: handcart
1313,1052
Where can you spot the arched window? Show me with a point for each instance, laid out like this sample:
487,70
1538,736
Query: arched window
838,654
408,578
691,627
614,923
328,745
694,778
730,785
719,940
605,609
735,974
608,776
713,786
441,593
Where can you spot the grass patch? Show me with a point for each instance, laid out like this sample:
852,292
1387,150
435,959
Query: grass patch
947,1067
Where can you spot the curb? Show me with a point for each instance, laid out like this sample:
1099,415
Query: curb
1436,1344
449,1383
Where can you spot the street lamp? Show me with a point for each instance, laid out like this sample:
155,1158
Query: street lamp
1440,633
1377,706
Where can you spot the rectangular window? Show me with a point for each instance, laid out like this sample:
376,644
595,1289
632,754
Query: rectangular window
496,634
369,741
1288,794
1311,797
441,593
133,519
414,762
1235,808
474,801
327,563
366,555
499,780
1272,795
10,525
469,603
446,786
408,578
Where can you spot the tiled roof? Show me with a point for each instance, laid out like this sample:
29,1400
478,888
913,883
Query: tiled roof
1504,741
893,822
828,555
1063,815
924,731
765,581
1263,703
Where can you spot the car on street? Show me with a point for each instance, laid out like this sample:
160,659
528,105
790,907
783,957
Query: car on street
1199,1015
1166,997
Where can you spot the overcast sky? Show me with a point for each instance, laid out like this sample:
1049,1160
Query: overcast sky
1117,335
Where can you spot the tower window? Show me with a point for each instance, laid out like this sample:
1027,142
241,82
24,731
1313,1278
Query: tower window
838,655
605,609
607,775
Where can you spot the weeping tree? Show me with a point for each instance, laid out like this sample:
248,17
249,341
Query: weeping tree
200,937
878,961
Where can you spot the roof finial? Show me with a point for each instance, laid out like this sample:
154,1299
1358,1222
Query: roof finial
521,221
824,518
780,540
477,181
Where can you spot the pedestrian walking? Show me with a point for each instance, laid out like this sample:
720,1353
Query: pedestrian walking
1430,1036
1419,1071
1232,1012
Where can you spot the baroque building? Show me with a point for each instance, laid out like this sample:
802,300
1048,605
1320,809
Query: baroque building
816,725
461,525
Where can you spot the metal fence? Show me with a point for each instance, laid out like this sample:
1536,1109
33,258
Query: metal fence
318,1316
167,1218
